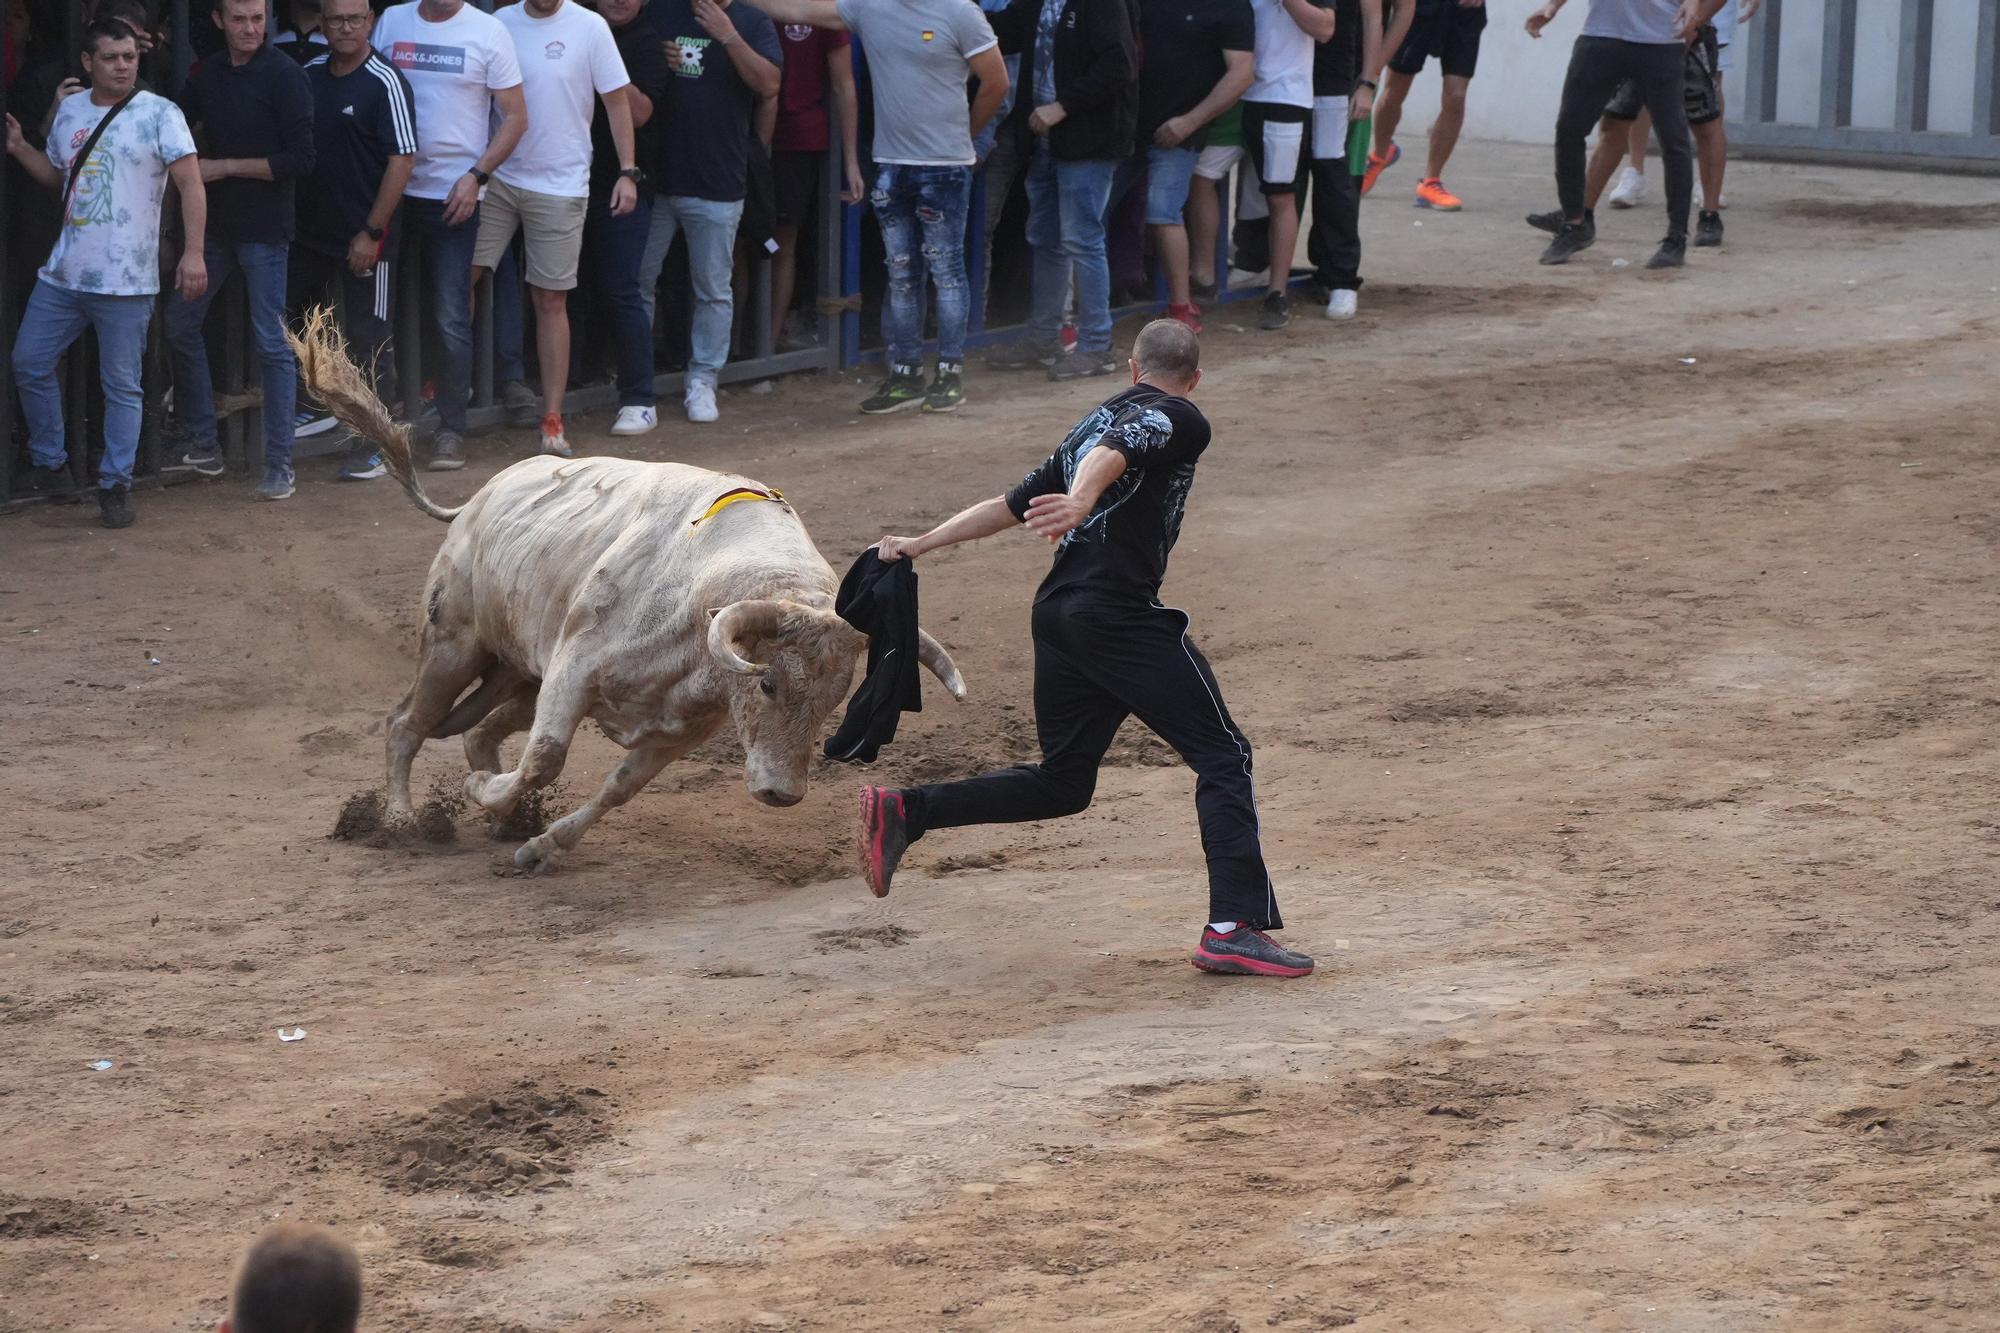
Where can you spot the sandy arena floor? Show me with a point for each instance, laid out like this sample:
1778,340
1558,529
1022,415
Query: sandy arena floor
1626,738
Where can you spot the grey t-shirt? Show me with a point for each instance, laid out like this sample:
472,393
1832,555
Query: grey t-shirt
1647,21
918,52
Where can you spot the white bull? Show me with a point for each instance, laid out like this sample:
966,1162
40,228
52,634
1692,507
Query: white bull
656,599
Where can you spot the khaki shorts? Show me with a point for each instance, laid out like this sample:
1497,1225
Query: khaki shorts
552,223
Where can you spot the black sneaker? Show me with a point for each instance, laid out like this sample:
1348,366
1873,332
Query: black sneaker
902,389
1277,311
1082,365
1573,236
882,838
51,483
114,507
1550,222
1024,354
1708,229
1671,254
204,460
1202,291
523,408
945,393
1248,952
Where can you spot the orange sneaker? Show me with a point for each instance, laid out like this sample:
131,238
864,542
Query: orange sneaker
1432,194
1377,164
552,437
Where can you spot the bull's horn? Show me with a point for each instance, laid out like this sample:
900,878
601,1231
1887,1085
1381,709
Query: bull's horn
932,654
739,621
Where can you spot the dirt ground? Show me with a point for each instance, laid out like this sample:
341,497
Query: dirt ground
1618,652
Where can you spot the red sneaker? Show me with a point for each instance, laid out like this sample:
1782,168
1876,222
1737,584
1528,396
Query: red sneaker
882,837
1189,314
1245,951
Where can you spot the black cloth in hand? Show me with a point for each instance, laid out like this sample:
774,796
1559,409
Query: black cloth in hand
879,598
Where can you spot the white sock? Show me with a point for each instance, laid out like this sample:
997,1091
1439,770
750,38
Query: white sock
1222,927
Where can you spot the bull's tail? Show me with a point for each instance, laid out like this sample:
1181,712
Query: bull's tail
330,372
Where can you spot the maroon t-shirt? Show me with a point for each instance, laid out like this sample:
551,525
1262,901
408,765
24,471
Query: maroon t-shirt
803,118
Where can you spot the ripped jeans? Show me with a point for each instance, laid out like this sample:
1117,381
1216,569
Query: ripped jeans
921,211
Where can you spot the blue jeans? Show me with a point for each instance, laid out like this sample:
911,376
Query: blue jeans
509,325
921,211
55,318
711,237
612,250
266,271
1168,171
447,259
1066,204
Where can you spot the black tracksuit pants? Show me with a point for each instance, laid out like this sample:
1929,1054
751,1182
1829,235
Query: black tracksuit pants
1334,243
1596,67
1098,661
366,306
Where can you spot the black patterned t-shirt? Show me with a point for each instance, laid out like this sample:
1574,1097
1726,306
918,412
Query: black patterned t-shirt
1122,548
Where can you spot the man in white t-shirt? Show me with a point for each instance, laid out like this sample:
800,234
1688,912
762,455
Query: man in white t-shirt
461,66
105,268
568,59
1275,111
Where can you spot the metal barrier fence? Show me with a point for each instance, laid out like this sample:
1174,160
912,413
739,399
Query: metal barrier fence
1882,79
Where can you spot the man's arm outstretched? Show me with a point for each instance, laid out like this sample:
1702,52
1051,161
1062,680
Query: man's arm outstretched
981,520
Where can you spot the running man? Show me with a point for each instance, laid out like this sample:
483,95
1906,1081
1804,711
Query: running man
1449,30
1111,497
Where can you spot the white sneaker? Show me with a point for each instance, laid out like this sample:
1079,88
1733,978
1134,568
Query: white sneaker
1628,189
1342,304
635,421
700,401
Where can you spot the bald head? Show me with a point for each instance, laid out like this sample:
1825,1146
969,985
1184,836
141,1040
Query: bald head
1167,354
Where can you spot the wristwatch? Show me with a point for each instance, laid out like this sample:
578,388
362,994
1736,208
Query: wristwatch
374,233
637,175
1369,84
480,176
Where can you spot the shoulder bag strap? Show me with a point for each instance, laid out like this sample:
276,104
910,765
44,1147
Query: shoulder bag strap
76,163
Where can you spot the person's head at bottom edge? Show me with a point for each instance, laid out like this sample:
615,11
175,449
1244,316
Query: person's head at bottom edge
296,1278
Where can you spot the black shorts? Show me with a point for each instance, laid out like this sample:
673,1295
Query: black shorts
1700,81
1274,136
1445,29
795,175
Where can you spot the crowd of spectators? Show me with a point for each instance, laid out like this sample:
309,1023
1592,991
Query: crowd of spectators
566,146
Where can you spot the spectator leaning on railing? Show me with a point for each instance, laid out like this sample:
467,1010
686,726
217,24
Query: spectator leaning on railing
110,153
365,144
816,92
613,244
920,54
725,58
1198,62
569,62
1080,79
461,66
251,107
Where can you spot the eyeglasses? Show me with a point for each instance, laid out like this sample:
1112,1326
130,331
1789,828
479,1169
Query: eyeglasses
346,21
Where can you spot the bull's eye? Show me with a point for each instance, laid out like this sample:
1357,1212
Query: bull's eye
769,686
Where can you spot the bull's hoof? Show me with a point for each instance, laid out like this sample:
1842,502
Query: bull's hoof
477,788
538,856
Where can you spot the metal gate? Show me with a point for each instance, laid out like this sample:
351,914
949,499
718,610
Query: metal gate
1883,79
